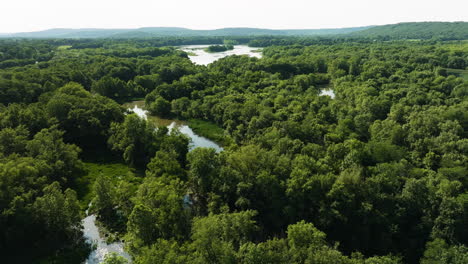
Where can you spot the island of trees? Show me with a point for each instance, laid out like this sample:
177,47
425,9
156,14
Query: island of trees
219,48
377,174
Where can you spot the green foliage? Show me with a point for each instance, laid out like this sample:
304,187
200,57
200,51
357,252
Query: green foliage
158,213
111,87
113,258
165,164
104,191
48,145
13,140
107,166
209,130
160,107
217,237
136,139
85,118
417,30
36,212
59,213
437,251
219,48
379,169
203,175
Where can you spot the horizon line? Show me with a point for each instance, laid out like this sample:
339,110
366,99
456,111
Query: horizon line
218,28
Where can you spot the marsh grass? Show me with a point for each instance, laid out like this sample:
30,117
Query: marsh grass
106,163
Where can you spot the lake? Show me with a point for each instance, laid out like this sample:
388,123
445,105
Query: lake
202,57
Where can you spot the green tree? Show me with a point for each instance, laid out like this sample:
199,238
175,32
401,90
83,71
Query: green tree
105,195
85,118
48,145
59,212
216,238
136,139
165,164
111,87
160,107
438,251
13,140
203,175
159,212
113,258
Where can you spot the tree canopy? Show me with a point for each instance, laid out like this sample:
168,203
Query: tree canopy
373,172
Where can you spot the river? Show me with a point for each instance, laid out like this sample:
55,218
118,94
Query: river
92,236
90,230
196,141
198,55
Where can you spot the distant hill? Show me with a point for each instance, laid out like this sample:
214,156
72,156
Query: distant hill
174,31
417,30
67,33
412,30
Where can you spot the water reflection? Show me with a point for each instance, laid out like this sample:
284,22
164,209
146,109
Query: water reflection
328,92
140,112
196,141
200,56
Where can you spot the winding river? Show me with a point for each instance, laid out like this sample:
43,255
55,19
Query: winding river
90,230
196,141
198,55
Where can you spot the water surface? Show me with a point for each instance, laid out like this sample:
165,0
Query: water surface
92,236
328,92
200,56
196,141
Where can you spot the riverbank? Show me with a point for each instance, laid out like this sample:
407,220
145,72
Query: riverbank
101,247
202,128
210,131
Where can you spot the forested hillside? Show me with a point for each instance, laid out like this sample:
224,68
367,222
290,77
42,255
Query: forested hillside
409,30
375,175
149,32
417,30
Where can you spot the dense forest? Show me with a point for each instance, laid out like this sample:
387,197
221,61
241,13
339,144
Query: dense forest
376,174
417,30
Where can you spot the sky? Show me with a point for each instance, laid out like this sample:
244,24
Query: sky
34,15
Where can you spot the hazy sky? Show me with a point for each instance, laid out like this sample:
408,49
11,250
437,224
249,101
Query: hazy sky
32,15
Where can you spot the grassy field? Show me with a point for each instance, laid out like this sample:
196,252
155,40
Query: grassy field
459,73
209,130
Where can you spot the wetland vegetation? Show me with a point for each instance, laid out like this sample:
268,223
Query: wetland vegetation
331,151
